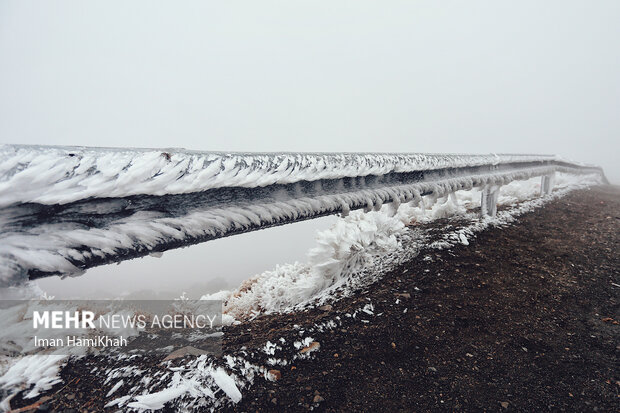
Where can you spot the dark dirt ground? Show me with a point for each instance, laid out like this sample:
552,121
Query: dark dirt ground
525,318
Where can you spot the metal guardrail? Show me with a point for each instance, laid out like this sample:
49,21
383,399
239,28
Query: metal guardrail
46,229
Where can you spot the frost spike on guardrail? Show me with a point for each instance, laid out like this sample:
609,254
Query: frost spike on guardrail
66,209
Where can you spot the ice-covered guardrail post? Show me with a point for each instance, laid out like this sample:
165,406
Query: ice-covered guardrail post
546,184
488,201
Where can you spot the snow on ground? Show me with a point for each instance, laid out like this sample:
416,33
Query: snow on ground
361,245
200,384
35,372
349,256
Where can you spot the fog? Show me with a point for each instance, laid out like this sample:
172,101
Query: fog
410,76
221,264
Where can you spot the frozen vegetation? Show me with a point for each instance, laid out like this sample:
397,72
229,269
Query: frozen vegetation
364,244
347,257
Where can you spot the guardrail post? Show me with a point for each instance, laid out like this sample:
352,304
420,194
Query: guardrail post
488,201
546,184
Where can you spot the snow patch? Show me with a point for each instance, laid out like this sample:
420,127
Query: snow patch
363,243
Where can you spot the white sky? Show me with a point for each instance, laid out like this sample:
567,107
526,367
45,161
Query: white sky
398,76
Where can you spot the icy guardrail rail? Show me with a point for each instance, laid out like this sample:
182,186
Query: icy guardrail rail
59,175
66,209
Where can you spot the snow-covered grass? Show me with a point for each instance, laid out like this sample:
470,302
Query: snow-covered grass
362,245
36,372
201,381
348,256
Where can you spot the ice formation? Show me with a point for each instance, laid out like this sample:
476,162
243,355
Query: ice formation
348,256
40,372
59,175
63,210
362,245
